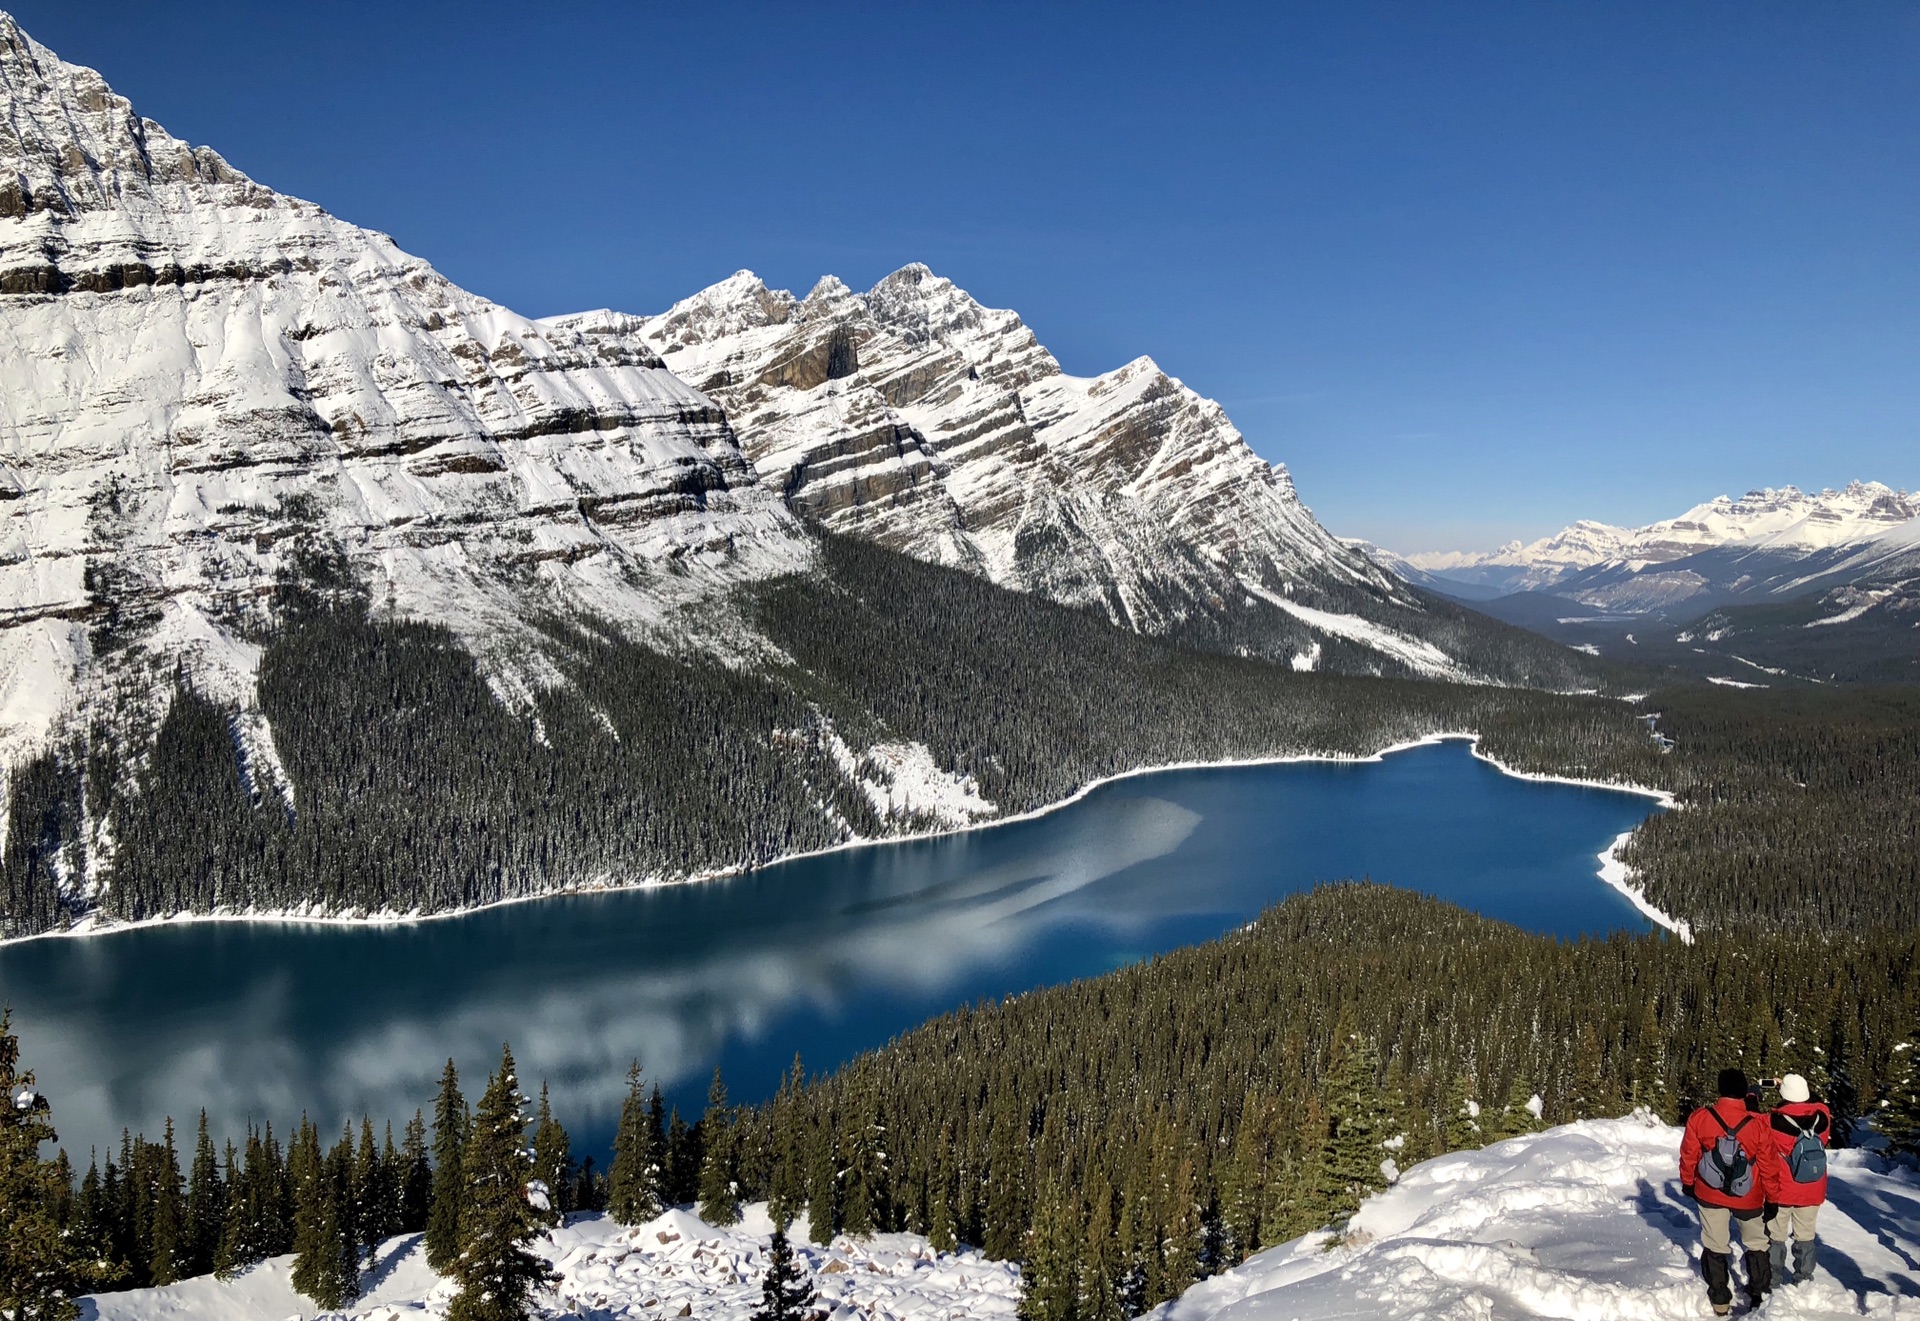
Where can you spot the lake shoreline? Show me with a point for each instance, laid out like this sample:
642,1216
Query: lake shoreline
1612,871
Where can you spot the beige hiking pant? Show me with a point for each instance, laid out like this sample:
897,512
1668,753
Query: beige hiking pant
1794,1222
1718,1222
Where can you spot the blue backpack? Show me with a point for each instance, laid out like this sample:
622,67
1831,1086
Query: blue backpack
1725,1167
1807,1161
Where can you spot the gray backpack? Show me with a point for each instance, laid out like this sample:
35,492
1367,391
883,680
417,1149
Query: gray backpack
1807,1162
1725,1167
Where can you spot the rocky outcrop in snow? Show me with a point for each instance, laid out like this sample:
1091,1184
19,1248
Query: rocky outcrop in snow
206,377
916,417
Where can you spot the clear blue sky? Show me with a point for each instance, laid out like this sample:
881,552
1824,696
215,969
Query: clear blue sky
1471,270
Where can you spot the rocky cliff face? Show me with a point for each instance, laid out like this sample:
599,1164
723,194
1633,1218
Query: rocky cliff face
913,416
204,376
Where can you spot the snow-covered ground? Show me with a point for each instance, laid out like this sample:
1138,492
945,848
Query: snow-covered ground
676,1265
1581,1221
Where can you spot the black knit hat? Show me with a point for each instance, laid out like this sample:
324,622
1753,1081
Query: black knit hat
1733,1082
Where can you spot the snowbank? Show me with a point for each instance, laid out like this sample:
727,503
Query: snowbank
1581,1221
676,1265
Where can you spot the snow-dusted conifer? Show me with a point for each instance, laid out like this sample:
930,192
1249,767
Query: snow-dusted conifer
42,1268
719,1189
1049,1270
450,1124
497,1275
633,1181
552,1160
1898,1118
785,1294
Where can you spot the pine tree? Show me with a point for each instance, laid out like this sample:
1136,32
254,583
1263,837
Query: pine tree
1100,1275
450,1123
324,1266
170,1249
863,1192
1650,1085
1049,1274
787,1182
497,1275
1517,1117
42,1268
823,1181
719,1191
785,1294
416,1181
206,1203
633,1181
685,1148
1358,1117
552,1161
1460,1126
1898,1118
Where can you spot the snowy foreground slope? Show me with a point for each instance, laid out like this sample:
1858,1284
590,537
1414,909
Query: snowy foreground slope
1585,1221
673,1266
1581,1221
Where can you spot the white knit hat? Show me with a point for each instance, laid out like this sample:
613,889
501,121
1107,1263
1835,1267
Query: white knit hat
1793,1088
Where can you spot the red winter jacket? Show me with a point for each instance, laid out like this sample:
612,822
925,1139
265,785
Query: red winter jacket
1786,1124
1703,1130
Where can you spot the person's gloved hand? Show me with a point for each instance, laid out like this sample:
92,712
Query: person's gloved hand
1770,1210
1686,1191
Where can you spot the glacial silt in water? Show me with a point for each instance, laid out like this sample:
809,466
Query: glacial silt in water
828,955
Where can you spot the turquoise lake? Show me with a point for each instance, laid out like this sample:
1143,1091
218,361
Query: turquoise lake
827,956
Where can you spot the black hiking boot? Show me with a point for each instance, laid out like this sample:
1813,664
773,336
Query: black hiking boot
1759,1277
1716,1268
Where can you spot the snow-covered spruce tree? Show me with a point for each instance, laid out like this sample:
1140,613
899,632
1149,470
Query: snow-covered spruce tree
168,1225
42,1268
325,1266
1100,1266
206,1202
416,1180
823,1181
633,1181
450,1123
1359,1115
1460,1127
1898,1118
1517,1117
719,1190
787,1180
1049,1267
552,1160
497,1275
785,1293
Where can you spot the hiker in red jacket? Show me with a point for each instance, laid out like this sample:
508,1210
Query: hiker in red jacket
1729,1165
1801,1128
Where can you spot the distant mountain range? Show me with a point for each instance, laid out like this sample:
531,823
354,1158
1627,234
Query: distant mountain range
1822,585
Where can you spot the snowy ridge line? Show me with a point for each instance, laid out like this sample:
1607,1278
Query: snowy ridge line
94,924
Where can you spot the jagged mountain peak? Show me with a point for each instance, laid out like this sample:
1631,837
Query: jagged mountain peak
915,416
209,376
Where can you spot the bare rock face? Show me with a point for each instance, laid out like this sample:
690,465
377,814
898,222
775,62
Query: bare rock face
203,375
913,416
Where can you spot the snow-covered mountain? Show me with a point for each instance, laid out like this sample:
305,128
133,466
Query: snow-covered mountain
205,378
1590,561
916,417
